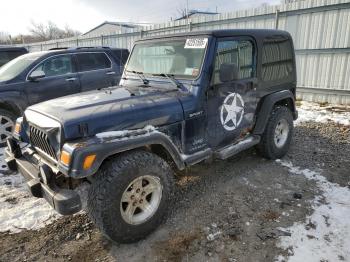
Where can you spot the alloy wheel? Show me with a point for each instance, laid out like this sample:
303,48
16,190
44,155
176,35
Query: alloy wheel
141,199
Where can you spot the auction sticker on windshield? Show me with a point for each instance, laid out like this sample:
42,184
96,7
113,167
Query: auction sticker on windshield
199,43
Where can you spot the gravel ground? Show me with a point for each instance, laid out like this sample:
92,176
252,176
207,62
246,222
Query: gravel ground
223,211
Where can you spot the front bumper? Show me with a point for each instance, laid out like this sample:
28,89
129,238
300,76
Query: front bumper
41,180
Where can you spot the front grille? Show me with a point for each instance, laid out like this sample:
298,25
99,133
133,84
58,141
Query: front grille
39,140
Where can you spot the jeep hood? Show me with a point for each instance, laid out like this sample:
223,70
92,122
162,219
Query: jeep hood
112,109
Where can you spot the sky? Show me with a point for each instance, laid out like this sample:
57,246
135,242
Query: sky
83,15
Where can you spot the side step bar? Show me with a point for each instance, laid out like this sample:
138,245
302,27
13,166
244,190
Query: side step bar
234,149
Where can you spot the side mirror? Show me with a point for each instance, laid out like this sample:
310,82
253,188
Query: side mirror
228,72
36,75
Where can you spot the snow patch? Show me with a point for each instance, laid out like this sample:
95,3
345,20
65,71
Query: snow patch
328,239
123,133
18,209
309,111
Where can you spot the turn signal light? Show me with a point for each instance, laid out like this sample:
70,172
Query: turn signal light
89,160
18,128
65,158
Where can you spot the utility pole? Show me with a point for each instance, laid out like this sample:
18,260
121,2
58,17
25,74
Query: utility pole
277,17
187,10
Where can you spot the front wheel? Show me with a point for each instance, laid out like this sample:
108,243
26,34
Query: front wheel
7,123
278,133
130,196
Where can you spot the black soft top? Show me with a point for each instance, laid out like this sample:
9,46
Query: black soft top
256,33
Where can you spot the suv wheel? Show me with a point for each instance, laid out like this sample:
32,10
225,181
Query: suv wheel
130,195
277,136
7,122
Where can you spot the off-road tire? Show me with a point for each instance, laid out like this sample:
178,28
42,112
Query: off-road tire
9,115
267,146
109,184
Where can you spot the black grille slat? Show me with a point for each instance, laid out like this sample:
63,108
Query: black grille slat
40,140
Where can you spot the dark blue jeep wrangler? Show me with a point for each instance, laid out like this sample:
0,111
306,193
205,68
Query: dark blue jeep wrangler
182,99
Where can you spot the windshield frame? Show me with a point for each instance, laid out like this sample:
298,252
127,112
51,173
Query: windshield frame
169,39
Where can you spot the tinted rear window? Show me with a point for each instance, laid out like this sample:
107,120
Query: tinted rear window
93,61
277,60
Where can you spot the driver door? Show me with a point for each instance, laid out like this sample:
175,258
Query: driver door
231,97
60,79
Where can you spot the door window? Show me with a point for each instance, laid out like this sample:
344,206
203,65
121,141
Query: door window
237,52
56,66
93,61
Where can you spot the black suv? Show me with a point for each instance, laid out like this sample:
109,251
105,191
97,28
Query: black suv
40,76
7,53
182,99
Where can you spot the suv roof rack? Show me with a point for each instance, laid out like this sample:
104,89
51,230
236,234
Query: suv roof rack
83,47
58,48
89,47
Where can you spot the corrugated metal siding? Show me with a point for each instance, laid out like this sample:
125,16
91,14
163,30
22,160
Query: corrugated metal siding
320,29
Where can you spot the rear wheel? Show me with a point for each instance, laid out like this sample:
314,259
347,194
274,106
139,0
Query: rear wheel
130,195
277,136
7,123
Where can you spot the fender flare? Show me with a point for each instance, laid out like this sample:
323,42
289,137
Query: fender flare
13,100
104,148
266,108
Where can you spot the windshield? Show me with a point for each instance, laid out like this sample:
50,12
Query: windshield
182,58
16,66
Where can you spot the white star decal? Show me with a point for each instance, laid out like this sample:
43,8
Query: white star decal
233,108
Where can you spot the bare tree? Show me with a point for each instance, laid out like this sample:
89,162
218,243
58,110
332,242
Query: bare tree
4,38
50,31
69,32
181,11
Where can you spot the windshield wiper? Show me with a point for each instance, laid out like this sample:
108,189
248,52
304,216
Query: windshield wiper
141,75
176,82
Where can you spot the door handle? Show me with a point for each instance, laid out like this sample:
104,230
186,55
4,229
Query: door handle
110,73
71,79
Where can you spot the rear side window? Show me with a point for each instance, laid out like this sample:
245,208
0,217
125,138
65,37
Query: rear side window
237,52
6,56
277,59
14,54
121,54
93,61
56,66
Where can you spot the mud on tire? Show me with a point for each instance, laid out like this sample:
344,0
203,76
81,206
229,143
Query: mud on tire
113,182
269,147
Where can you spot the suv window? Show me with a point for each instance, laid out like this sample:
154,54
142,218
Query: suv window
277,59
6,56
93,61
121,54
238,52
56,66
